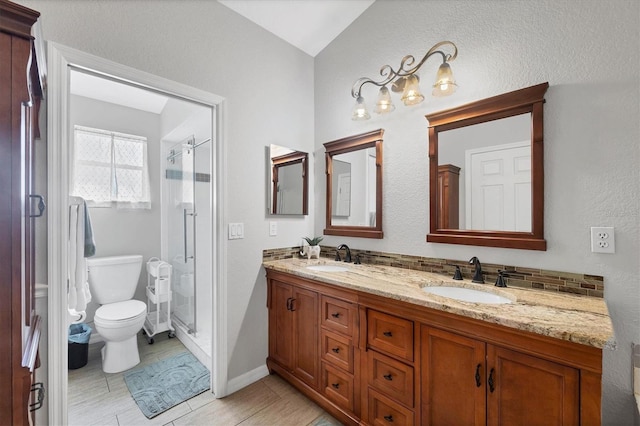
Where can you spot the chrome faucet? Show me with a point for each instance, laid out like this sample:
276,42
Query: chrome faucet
348,255
477,273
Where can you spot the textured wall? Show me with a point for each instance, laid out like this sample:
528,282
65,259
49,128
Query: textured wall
588,51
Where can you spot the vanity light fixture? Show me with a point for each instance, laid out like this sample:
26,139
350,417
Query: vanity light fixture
406,81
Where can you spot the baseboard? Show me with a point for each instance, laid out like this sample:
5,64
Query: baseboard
246,379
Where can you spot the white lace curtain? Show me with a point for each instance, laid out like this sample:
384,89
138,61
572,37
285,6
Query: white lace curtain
110,169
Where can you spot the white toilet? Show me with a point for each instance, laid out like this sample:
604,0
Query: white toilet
113,281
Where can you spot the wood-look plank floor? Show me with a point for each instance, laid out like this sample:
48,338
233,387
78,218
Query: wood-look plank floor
98,398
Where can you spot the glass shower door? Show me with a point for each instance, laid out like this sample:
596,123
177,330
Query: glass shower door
181,231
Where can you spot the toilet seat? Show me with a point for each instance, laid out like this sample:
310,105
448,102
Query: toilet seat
120,314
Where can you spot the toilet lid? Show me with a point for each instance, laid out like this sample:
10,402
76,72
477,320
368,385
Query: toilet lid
121,310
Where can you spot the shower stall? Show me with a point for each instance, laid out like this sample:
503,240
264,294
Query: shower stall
187,239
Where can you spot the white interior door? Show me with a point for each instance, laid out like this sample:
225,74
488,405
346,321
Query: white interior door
344,195
498,187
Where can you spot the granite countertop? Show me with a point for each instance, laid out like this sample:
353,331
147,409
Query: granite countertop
579,319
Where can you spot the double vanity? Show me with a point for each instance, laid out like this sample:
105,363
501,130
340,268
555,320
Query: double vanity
383,345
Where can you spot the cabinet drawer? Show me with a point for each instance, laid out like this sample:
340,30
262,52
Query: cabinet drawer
337,386
337,350
391,377
383,411
390,334
339,315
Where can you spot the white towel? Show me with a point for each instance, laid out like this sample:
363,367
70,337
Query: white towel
79,293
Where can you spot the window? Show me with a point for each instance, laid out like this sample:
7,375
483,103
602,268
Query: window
110,168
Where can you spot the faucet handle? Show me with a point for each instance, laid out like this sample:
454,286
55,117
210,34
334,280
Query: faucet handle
457,275
357,261
337,259
500,280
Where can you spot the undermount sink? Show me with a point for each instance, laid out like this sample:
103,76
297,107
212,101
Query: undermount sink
467,294
328,268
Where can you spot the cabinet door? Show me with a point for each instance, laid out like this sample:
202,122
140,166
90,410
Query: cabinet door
453,379
304,307
281,324
523,389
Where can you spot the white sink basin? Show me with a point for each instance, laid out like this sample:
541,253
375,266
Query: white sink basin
467,294
328,268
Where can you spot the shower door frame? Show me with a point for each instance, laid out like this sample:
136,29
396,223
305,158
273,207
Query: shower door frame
61,59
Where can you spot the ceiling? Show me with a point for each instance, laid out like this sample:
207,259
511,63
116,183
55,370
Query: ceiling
309,25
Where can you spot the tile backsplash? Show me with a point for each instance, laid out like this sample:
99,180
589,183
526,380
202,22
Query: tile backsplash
515,276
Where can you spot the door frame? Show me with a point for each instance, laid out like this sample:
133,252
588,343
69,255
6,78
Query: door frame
60,59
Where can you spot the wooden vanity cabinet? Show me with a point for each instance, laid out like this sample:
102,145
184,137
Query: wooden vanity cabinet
313,332
389,370
371,360
487,384
293,333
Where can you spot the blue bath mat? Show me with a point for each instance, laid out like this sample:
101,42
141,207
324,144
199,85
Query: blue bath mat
164,384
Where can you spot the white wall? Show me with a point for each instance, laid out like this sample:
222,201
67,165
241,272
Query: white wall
589,52
268,86
125,231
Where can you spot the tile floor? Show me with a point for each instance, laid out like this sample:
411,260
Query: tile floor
98,398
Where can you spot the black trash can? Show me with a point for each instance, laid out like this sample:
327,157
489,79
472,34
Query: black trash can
78,344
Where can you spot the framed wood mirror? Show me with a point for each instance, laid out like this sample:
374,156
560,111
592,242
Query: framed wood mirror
486,172
288,192
354,185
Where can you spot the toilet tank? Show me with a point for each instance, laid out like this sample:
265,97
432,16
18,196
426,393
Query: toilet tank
113,278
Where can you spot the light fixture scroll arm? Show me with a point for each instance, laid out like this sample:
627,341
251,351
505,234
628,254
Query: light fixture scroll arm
386,71
408,60
406,67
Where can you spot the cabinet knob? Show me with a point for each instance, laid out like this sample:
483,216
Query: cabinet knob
335,385
389,418
388,377
336,315
387,334
336,350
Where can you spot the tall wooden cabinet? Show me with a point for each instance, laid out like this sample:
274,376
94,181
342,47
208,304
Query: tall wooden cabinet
19,93
448,196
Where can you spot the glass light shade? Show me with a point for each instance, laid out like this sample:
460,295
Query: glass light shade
445,84
360,110
411,94
384,104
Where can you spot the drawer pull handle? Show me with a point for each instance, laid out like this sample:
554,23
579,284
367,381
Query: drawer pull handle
335,385
39,388
478,378
388,334
492,385
289,299
336,350
388,377
41,206
336,315
389,418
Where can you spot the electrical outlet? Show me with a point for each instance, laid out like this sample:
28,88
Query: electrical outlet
603,239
